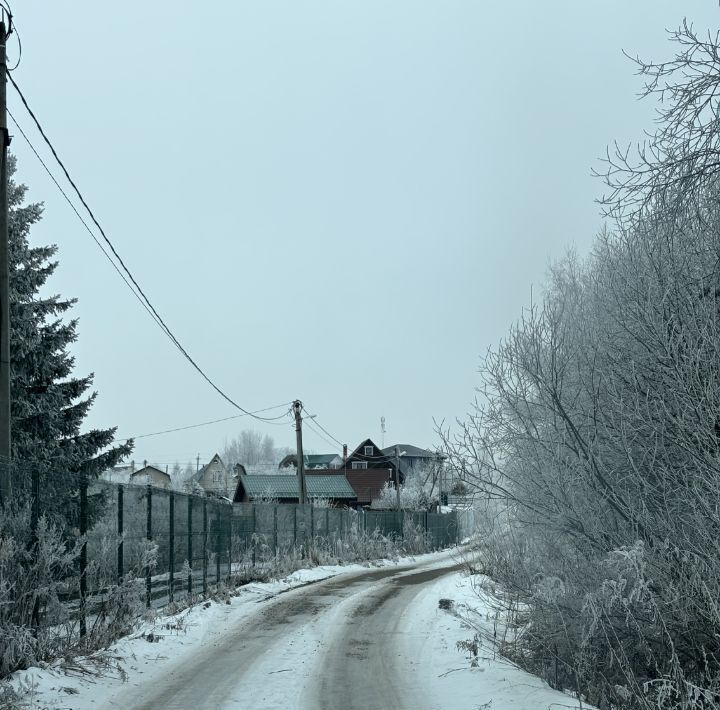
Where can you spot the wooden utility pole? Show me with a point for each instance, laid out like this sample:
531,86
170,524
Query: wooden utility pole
4,279
302,491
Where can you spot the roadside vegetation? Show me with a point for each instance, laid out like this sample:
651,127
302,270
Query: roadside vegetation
595,435
39,596
61,594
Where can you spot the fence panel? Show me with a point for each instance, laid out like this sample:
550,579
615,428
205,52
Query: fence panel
200,541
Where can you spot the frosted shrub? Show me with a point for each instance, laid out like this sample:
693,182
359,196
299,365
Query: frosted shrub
414,540
39,608
30,584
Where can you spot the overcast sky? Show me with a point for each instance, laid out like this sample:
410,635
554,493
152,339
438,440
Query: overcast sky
342,202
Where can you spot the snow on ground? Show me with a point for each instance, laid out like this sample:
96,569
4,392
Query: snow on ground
450,681
426,637
175,638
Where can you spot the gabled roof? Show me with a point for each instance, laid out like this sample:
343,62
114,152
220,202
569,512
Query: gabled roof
320,459
412,451
148,469
201,472
379,456
279,486
311,460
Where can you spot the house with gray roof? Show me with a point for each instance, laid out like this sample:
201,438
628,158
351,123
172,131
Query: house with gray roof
284,489
313,461
413,457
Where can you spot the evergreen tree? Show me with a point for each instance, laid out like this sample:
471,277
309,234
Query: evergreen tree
49,404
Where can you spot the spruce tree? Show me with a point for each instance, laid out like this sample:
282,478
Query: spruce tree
49,403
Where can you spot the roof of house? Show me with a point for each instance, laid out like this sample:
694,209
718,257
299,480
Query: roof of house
279,486
412,451
311,460
378,457
149,469
201,471
319,459
366,482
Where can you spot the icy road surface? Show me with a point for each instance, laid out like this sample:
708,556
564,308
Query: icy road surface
328,645
370,641
364,639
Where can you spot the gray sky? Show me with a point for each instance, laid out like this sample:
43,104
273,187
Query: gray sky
343,202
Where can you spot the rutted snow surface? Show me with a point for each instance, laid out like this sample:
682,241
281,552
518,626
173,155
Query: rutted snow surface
365,638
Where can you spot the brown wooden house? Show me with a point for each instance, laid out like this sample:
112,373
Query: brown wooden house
367,483
369,456
367,470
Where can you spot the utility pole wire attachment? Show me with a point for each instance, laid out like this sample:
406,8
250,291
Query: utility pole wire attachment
6,17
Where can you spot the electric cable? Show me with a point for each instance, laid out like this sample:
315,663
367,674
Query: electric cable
159,320
308,421
314,417
80,217
207,423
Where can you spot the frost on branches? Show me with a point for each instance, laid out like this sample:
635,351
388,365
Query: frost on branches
595,435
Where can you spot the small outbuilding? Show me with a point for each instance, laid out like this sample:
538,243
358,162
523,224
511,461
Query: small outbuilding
150,476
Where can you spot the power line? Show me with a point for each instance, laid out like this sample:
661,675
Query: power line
269,420
80,217
309,421
158,319
314,418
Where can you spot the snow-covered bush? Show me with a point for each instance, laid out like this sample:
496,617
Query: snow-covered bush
596,432
40,610
420,491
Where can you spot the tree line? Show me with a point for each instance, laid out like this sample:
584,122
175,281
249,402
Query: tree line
595,434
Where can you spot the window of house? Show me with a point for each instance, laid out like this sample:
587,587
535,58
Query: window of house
359,464
369,451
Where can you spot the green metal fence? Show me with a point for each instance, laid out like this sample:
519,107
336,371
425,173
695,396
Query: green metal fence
182,544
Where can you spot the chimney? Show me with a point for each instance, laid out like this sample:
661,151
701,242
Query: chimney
344,452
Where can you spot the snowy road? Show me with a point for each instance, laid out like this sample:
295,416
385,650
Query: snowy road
329,645
362,639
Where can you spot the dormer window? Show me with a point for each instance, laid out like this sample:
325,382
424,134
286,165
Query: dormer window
369,451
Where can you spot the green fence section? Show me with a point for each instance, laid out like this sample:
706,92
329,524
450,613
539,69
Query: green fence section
181,544
200,541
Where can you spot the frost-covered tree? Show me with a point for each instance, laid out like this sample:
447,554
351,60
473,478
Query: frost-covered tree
251,449
49,403
596,431
420,490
